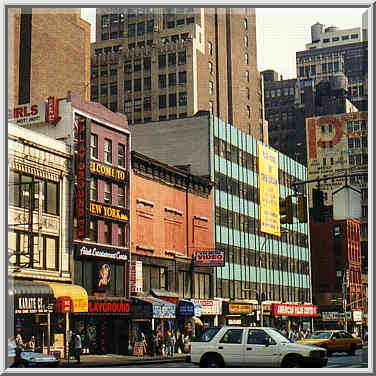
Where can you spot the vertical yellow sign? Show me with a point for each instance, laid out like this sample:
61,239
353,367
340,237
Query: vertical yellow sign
268,190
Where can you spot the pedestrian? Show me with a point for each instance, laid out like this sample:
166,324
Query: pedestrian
292,335
77,347
170,344
179,346
31,344
143,342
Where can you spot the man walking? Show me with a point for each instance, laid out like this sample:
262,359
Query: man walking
77,347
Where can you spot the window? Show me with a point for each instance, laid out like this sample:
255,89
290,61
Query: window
113,89
248,93
52,198
51,247
170,24
184,36
182,58
210,67
174,38
247,76
172,59
182,99
357,142
137,84
107,232
190,20
150,26
147,83
105,20
162,61
107,50
94,189
246,42
105,36
141,28
326,40
350,143
131,46
121,195
211,87
137,105
114,35
345,37
104,89
182,78
210,48
245,24
137,65
131,30
128,106
354,36
98,51
147,104
364,141
162,81
233,336
128,67
172,79
121,155
246,58
108,150
121,235
147,64
172,100
162,101
257,337
93,145
107,191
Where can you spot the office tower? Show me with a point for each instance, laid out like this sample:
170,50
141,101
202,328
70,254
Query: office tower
155,64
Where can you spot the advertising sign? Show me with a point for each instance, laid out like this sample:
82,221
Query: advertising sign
108,171
32,304
108,307
136,279
334,316
164,311
83,140
100,252
240,309
106,211
304,310
210,258
268,190
209,307
102,277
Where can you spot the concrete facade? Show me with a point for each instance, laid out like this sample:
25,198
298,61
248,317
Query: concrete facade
216,70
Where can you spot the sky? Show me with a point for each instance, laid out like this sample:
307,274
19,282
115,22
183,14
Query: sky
281,32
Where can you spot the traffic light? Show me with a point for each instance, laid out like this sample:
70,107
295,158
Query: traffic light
302,208
318,205
285,210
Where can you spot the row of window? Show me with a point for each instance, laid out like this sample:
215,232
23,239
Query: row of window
358,142
137,65
284,116
45,252
107,50
174,99
108,197
358,159
343,37
357,125
180,22
108,150
25,191
104,90
140,28
242,158
174,38
108,227
171,59
286,91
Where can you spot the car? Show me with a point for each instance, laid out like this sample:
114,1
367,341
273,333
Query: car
333,341
243,346
19,357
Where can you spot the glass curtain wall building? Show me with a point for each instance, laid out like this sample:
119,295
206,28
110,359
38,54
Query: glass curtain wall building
255,261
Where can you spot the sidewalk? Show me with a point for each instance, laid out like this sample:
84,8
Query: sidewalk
116,360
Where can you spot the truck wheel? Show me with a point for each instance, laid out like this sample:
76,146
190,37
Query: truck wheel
212,361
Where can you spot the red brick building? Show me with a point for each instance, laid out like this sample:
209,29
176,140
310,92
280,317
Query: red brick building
335,250
171,218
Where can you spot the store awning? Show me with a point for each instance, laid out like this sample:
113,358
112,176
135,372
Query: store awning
69,298
168,296
31,296
152,307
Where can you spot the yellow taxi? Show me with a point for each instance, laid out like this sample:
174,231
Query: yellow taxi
333,341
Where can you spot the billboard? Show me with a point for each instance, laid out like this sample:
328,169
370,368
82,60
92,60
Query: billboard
268,190
210,258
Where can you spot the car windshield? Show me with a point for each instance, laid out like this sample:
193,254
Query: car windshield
207,335
278,336
319,335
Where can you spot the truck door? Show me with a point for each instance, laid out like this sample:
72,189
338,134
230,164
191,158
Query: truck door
230,346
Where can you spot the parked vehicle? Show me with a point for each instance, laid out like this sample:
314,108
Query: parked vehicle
252,347
18,357
333,341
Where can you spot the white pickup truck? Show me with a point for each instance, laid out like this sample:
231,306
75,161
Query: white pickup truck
240,346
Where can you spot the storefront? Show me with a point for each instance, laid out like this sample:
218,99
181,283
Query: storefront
210,311
238,313
293,315
149,314
104,328
188,317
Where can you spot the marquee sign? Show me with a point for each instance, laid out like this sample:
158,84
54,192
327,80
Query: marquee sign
83,136
108,171
100,252
32,304
108,307
106,211
240,309
303,310
210,258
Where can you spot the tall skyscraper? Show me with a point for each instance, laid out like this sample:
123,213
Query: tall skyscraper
49,54
155,64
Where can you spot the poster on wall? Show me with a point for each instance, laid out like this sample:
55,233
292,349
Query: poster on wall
268,190
102,277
